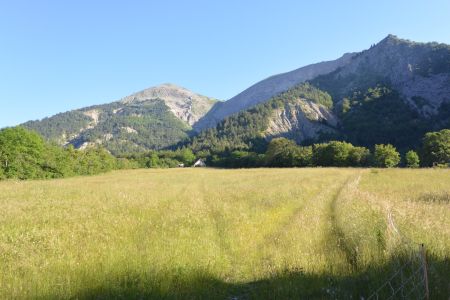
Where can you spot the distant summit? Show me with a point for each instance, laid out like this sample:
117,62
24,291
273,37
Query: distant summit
183,103
153,118
392,92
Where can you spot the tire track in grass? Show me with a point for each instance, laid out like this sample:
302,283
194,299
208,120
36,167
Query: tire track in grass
218,224
291,219
277,235
336,233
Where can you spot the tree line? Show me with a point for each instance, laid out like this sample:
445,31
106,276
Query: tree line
282,152
24,154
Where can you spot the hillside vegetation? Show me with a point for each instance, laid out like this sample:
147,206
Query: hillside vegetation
151,119
392,93
219,234
25,155
247,130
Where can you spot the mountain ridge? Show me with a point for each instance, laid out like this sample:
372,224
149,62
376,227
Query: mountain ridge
267,88
152,118
395,80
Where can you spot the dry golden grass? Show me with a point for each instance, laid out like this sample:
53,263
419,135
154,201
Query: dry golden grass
206,233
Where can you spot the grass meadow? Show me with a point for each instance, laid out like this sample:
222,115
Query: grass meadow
221,234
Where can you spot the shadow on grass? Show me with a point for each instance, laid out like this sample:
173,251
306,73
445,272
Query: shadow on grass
285,285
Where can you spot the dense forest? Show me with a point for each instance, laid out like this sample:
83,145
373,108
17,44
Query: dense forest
245,130
392,93
376,129
25,155
118,128
367,116
379,115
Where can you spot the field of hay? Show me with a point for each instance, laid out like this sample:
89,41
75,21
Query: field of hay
221,234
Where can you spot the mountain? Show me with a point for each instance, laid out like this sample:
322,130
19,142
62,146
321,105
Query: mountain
268,88
393,92
420,72
302,113
154,118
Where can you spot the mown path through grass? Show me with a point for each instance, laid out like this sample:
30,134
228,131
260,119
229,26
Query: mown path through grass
336,233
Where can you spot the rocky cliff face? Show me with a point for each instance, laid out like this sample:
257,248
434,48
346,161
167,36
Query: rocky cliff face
183,103
420,72
267,88
300,121
417,76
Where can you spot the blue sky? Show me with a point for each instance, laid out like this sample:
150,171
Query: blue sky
61,55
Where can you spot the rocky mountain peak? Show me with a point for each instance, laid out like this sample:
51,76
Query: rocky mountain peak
418,71
393,41
411,81
390,38
183,103
166,91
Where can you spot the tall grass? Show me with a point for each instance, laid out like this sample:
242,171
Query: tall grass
205,233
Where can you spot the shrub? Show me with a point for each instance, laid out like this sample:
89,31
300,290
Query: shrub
281,153
303,157
359,157
412,159
340,154
386,156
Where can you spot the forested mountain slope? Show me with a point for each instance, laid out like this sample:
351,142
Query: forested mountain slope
151,119
301,113
268,88
394,92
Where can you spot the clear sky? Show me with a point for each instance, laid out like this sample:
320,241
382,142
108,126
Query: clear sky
61,55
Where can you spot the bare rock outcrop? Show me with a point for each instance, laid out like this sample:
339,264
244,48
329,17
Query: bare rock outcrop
183,103
300,121
267,88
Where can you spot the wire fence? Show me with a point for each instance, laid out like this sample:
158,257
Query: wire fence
410,279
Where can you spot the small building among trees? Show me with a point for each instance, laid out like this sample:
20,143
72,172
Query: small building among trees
199,163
